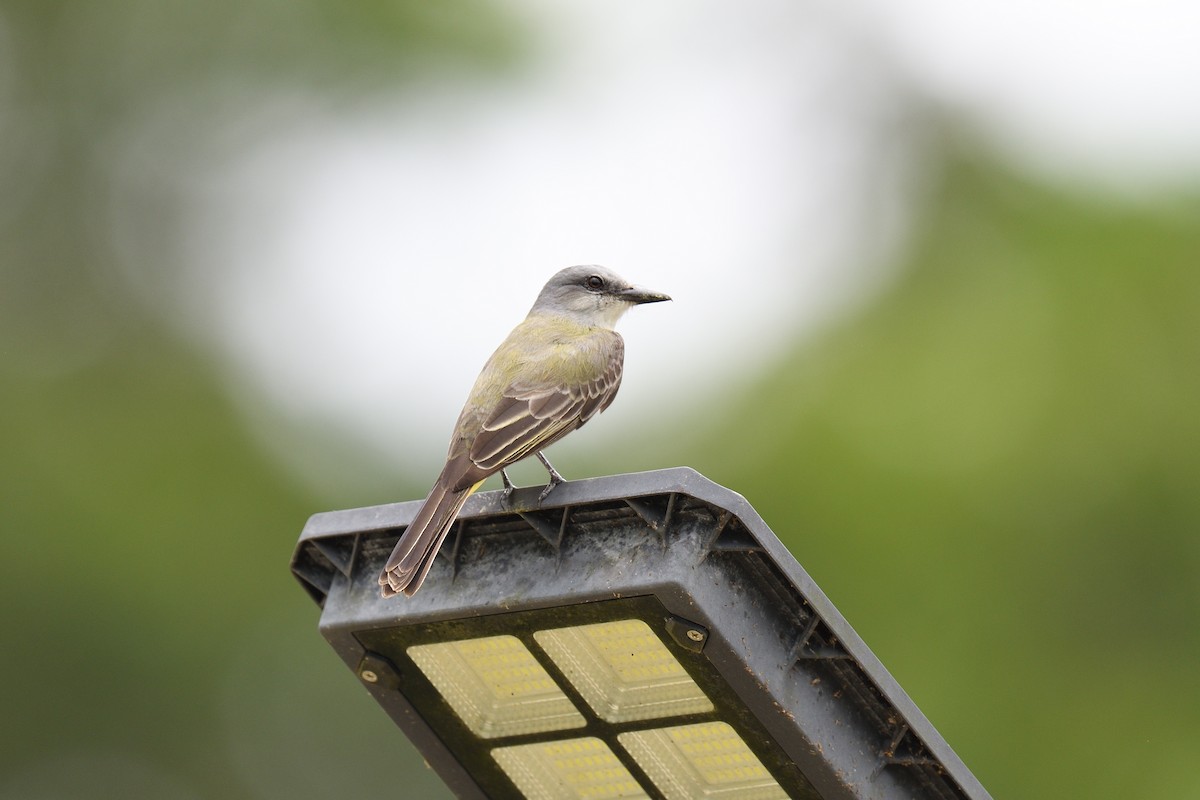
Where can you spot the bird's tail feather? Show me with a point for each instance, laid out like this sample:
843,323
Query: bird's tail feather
413,555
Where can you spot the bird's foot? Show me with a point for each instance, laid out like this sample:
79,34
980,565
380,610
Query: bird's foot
555,478
506,498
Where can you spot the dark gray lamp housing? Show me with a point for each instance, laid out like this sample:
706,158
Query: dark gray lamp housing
641,635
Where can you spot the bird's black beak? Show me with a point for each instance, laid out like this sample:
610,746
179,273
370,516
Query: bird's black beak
637,295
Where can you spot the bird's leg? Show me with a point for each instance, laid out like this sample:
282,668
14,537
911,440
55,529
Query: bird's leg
508,487
555,478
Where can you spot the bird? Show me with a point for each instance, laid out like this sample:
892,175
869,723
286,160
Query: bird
556,370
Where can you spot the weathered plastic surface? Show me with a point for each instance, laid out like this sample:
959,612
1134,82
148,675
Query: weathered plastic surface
698,547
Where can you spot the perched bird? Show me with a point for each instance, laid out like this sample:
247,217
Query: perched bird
556,370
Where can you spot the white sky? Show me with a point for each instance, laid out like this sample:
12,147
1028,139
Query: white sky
749,159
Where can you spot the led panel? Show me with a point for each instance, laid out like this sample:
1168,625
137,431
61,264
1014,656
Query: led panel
623,670
707,760
666,547
572,769
496,686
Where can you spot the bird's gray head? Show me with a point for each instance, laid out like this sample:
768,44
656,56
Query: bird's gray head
591,294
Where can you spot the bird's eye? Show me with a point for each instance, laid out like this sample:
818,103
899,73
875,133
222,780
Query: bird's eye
595,282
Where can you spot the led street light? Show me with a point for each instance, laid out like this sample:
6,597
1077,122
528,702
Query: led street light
635,636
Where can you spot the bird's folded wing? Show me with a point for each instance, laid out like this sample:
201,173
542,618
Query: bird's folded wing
530,418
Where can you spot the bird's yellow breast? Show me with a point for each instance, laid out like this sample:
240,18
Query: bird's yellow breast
542,352
549,351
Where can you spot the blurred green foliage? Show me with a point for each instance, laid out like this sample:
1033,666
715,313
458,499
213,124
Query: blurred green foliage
992,468
994,471
81,82
157,646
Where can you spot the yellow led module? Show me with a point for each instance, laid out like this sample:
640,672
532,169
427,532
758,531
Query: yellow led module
707,760
496,686
571,769
623,670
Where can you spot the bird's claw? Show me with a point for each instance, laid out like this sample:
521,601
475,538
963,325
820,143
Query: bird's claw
506,498
555,480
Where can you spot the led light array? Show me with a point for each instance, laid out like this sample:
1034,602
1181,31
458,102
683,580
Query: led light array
624,673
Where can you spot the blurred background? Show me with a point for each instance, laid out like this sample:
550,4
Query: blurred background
936,270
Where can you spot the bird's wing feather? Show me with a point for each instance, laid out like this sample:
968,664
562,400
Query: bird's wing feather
530,417
492,447
528,443
510,410
550,404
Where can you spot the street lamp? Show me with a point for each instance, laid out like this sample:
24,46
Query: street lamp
641,635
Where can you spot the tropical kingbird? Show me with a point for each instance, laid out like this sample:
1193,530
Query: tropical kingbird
554,372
